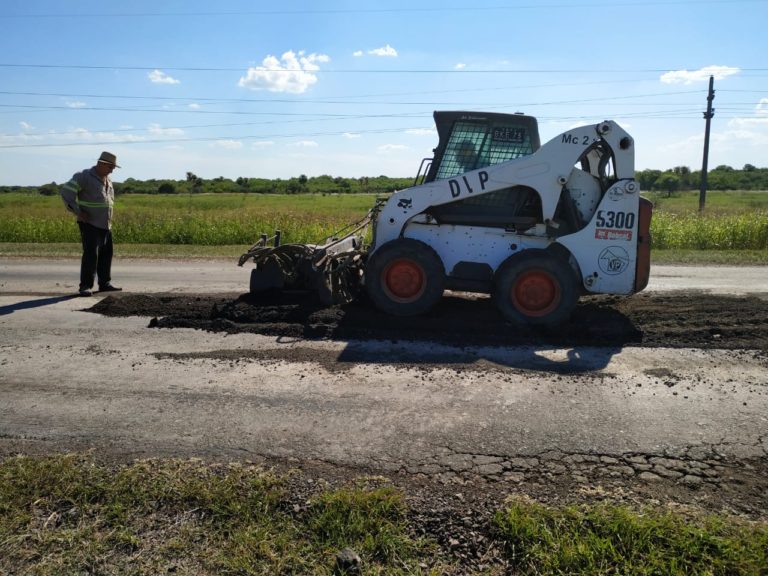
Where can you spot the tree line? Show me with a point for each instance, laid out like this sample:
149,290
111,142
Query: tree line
193,184
723,177
679,178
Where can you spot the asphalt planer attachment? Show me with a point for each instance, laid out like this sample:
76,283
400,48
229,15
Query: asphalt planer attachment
333,270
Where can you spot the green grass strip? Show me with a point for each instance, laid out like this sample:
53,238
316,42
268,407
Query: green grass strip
602,540
71,515
68,514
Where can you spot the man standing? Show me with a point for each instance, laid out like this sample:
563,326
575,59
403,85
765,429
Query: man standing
90,196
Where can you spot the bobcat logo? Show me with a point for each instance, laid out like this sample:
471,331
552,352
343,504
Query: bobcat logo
404,203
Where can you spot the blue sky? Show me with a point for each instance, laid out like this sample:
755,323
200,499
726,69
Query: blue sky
278,89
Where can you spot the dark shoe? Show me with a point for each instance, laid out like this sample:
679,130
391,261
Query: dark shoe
109,288
85,292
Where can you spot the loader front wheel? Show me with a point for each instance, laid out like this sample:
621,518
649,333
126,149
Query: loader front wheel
535,288
405,277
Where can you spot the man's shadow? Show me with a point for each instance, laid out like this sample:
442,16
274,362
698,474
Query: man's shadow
26,305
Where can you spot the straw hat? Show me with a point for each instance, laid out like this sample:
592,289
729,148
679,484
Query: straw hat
108,158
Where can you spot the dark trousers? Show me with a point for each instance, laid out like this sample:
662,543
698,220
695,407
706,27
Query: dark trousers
97,255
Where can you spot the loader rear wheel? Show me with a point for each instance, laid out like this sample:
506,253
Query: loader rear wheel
405,277
535,288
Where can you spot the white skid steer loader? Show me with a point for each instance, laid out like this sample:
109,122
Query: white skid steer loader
493,212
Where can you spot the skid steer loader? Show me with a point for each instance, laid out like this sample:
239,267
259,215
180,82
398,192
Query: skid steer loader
493,212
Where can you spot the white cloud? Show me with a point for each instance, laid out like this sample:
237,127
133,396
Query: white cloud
305,144
85,135
159,77
76,104
421,131
262,144
460,66
21,138
751,129
387,51
227,144
351,136
157,130
26,126
392,148
742,122
700,75
742,138
357,53
194,106
686,147
293,73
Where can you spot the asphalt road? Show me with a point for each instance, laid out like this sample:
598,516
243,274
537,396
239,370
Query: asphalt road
70,379
60,276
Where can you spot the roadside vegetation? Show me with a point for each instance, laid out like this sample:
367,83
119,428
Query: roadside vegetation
69,514
733,228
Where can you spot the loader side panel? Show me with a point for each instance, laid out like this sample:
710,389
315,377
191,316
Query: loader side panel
606,249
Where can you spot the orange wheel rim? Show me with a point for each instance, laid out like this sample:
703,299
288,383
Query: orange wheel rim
404,280
536,293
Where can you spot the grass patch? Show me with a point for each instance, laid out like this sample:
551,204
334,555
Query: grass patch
718,202
710,257
602,540
71,515
122,251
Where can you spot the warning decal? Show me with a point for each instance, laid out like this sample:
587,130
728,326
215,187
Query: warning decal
609,234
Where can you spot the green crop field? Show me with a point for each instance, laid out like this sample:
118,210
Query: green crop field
732,221
207,220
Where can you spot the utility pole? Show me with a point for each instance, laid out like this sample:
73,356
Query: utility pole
708,117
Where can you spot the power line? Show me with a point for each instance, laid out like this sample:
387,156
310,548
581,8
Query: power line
335,101
335,11
691,111
680,114
208,138
352,71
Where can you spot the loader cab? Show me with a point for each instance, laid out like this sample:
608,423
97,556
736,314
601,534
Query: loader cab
471,140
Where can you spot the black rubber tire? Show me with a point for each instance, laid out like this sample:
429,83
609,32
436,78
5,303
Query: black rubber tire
405,277
535,288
